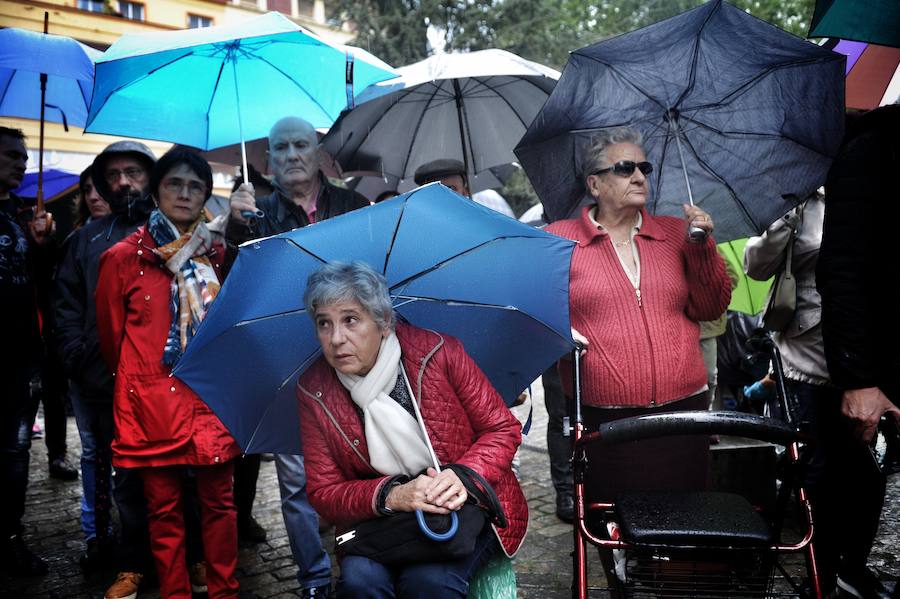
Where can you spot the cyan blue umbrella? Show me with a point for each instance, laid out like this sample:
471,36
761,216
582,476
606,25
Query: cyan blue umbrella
217,86
452,265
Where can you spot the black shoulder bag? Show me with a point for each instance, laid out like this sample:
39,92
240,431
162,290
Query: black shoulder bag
418,537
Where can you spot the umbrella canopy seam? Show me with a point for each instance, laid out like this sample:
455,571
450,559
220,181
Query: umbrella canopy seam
415,132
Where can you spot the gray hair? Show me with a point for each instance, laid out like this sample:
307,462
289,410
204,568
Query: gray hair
342,281
595,151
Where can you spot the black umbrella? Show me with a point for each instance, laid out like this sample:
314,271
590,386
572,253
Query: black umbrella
737,116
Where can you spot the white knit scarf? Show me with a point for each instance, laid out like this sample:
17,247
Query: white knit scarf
395,439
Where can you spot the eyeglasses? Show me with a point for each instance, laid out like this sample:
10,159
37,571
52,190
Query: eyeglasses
625,168
133,173
175,185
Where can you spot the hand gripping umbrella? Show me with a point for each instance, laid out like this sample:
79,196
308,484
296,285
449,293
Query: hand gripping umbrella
216,86
737,116
453,266
45,77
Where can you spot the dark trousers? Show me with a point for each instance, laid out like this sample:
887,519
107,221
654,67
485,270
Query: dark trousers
16,419
559,446
246,473
53,396
845,484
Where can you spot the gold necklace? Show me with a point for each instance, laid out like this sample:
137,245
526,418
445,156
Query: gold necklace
622,244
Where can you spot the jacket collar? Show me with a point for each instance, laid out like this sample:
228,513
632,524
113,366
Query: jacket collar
588,231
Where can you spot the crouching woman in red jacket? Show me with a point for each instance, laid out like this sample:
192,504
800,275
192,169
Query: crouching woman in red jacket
382,396
154,289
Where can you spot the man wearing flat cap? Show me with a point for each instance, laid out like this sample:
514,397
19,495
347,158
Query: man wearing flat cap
446,171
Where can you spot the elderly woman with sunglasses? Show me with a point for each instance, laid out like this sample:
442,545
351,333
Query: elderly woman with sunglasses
639,285
154,288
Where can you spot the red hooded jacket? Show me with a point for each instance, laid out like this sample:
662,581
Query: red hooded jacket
466,420
159,421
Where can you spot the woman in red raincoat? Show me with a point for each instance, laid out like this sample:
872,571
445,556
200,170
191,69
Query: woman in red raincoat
153,290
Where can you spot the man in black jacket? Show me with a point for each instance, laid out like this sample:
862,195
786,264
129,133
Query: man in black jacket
121,174
860,322
302,196
21,243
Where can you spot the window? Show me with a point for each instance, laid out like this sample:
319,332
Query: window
198,22
131,10
92,5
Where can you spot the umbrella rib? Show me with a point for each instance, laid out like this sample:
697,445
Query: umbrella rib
390,250
212,96
662,161
302,365
147,74
415,132
463,119
505,100
731,96
692,78
440,264
292,80
624,79
725,183
401,94
466,303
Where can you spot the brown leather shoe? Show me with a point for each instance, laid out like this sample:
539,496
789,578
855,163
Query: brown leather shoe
125,587
198,578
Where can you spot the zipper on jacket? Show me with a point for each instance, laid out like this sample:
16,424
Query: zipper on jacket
637,293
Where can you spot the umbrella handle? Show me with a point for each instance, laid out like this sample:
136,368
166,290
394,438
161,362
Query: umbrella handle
438,536
248,214
695,234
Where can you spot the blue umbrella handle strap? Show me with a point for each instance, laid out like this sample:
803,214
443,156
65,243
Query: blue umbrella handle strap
438,536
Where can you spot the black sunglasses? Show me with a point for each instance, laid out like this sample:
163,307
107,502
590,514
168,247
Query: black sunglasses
625,168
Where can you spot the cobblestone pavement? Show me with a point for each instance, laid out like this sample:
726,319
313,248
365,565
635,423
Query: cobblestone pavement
543,566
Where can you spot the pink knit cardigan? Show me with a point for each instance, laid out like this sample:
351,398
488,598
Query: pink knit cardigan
644,347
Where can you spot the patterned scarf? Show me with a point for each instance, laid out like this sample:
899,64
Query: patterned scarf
195,283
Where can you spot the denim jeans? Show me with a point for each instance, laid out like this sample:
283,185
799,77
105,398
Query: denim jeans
362,577
95,428
302,523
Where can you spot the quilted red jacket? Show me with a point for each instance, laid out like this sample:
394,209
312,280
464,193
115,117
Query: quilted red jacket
466,420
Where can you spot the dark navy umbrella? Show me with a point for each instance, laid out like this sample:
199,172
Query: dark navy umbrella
452,265
731,108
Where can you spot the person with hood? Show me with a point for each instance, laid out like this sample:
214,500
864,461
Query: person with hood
121,173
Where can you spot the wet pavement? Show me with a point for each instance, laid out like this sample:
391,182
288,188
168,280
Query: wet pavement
543,566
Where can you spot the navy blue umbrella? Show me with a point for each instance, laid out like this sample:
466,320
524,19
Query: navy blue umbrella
452,265
737,116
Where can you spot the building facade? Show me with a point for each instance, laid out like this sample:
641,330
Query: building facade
99,23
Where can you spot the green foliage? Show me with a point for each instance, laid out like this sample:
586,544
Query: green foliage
541,30
544,31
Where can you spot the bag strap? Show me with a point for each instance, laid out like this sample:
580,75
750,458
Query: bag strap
481,490
790,245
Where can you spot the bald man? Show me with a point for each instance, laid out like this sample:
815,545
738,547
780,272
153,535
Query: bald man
302,193
302,196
